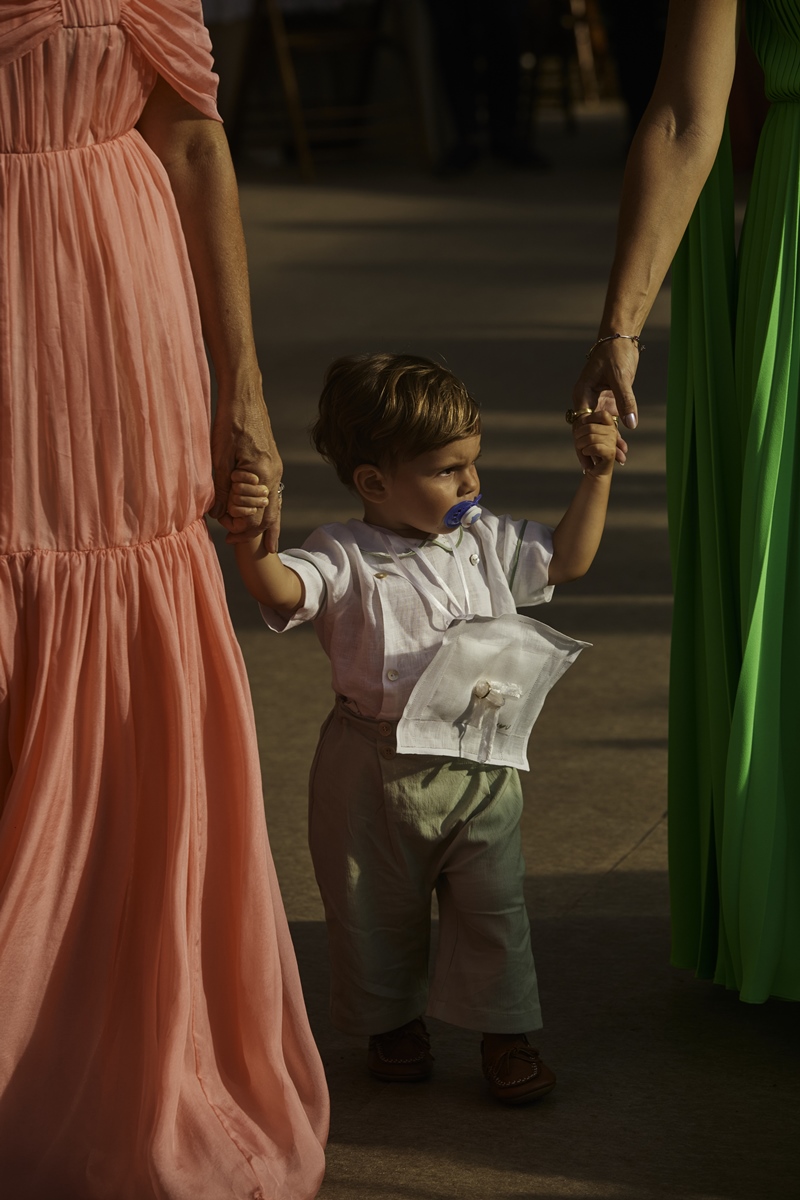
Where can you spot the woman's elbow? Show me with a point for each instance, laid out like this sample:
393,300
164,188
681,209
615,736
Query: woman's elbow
695,132
201,150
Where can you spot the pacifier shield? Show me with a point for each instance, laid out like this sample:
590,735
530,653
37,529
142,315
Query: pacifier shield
465,513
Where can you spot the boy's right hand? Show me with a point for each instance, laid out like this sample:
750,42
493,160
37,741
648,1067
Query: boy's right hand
247,499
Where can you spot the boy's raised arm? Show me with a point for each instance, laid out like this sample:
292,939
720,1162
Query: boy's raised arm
577,536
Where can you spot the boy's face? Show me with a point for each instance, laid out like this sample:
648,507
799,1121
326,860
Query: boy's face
416,495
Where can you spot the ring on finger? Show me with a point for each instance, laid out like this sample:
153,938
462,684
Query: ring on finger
572,415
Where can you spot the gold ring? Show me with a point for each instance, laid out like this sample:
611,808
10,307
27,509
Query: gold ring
571,415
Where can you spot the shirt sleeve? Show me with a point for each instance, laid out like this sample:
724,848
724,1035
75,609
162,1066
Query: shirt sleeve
325,570
525,549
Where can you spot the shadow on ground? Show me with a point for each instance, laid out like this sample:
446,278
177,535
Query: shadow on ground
668,1086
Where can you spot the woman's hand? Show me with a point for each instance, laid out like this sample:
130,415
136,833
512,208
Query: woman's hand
242,441
606,384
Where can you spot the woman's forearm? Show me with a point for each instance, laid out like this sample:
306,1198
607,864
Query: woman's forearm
671,155
670,159
194,152
664,176
207,198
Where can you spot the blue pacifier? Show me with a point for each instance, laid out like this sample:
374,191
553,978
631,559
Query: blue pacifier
466,513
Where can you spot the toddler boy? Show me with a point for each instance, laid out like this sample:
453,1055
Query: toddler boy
387,829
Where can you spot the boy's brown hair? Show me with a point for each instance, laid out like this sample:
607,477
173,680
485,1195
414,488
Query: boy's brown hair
387,408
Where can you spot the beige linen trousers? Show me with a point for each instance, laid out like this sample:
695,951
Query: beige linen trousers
386,830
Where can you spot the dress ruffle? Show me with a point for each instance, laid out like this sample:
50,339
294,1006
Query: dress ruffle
173,38
170,36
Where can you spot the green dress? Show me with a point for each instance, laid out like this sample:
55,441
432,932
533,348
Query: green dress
733,447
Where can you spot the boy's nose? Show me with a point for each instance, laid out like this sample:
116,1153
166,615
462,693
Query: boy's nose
470,483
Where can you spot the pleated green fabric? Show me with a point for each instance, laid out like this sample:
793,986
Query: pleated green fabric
733,447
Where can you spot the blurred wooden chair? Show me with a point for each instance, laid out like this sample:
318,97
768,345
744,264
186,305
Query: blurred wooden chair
569,56
357,38
584,17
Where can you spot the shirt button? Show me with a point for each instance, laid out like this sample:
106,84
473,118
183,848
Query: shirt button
391,674
473,558
384,729
380,574
387,751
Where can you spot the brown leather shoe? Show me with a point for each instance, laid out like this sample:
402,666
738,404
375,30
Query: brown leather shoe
401,1055
515,1072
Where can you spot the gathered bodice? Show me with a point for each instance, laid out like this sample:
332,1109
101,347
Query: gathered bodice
773,27
74,73
103,85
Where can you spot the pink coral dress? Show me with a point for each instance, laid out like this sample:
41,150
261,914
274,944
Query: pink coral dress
153,1039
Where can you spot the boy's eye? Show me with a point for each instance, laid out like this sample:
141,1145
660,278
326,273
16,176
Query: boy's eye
446,471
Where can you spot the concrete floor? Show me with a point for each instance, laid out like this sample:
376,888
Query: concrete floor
667,1086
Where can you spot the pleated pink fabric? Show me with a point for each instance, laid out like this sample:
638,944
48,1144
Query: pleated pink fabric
153,1038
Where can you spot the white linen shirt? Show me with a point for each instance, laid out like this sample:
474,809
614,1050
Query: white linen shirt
379,630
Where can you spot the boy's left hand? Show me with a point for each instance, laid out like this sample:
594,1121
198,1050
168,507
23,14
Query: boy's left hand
595,439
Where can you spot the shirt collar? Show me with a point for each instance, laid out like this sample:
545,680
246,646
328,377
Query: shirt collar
370,540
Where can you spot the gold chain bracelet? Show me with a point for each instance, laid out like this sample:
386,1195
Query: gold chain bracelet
612,337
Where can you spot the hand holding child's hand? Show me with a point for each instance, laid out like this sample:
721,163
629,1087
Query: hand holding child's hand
247,499
595,438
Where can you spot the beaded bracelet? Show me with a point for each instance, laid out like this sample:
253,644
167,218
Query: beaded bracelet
612,337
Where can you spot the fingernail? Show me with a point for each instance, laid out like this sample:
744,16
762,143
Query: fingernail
630,420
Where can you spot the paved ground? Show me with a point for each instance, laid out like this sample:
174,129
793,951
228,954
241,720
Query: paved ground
667,1086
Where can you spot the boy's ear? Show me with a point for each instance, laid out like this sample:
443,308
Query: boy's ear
370,483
